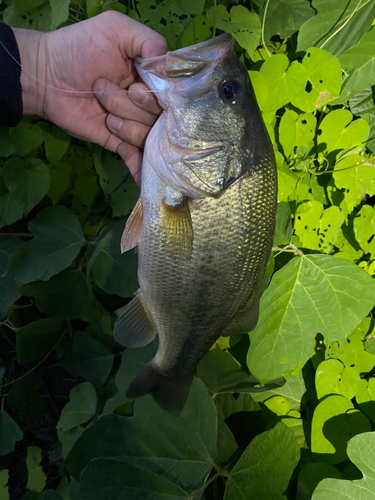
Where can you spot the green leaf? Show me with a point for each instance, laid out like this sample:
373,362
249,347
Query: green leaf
284,18
8,288
60,12
65,295
38,18
334,422
242,24
358,63
283,231
198,31
311,294
133,361
36,478
322,80
338,25
10,433
57,241
293,391
56,141
60,173
226,443
361,453
338,131
86,187
27,181
25,138
124,480
179,449
4,490
112,271
118,185
266,466
364,229
277,83
221,373
316,228
88,359
356,177
81,407
311,475
363,104
332,377
68,438
93,7
6,147
37,338
296,130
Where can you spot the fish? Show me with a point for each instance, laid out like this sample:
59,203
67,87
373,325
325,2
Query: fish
205,220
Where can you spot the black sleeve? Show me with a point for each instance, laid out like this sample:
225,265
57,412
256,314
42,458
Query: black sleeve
10,83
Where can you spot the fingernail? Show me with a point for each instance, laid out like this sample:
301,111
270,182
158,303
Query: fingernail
139,96
114,123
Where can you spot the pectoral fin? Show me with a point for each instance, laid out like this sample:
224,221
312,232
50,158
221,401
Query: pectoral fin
245,323
133,228
177,228
134,328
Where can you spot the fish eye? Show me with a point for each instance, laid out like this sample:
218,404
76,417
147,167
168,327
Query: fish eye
229,89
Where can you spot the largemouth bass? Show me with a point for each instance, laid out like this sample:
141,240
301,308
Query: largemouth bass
204,223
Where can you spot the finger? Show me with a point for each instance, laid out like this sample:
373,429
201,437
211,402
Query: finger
118,103
142,97
132,156
130,131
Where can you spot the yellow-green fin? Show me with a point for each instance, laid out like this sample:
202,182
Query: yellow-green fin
133,228
245,323
134,328
177,228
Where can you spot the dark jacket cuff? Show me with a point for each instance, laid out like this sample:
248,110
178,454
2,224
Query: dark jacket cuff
10,79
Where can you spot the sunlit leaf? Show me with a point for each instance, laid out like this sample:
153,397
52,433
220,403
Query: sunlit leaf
311,294
36,478
361,453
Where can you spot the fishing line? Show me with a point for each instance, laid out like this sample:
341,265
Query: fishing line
63,90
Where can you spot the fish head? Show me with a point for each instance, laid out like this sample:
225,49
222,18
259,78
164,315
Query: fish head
212,132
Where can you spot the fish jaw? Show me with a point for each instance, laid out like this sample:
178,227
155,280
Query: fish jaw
186,70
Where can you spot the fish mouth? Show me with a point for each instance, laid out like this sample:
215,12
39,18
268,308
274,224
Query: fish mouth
184,63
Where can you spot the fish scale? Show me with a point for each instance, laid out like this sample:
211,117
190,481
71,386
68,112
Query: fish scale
208,203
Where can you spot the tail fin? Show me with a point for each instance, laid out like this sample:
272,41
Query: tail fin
170,393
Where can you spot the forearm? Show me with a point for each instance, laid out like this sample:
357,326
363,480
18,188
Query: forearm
32,49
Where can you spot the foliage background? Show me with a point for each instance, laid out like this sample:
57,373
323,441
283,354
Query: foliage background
67,430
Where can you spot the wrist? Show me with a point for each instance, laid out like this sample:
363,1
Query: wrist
31,45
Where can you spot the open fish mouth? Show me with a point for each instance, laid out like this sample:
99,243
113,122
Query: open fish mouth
173,71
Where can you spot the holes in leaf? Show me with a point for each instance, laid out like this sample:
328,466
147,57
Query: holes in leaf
352,366
163,21
298,217
152,7
348,341
319,131
370,239
310,191
308,54
320,81
339,379
308,87
304,122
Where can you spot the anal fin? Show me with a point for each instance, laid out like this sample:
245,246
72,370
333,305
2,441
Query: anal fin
134,328
133,228
245,323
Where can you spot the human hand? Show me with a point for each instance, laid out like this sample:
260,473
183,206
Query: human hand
96,54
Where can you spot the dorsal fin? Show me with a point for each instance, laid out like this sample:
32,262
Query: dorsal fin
133,228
